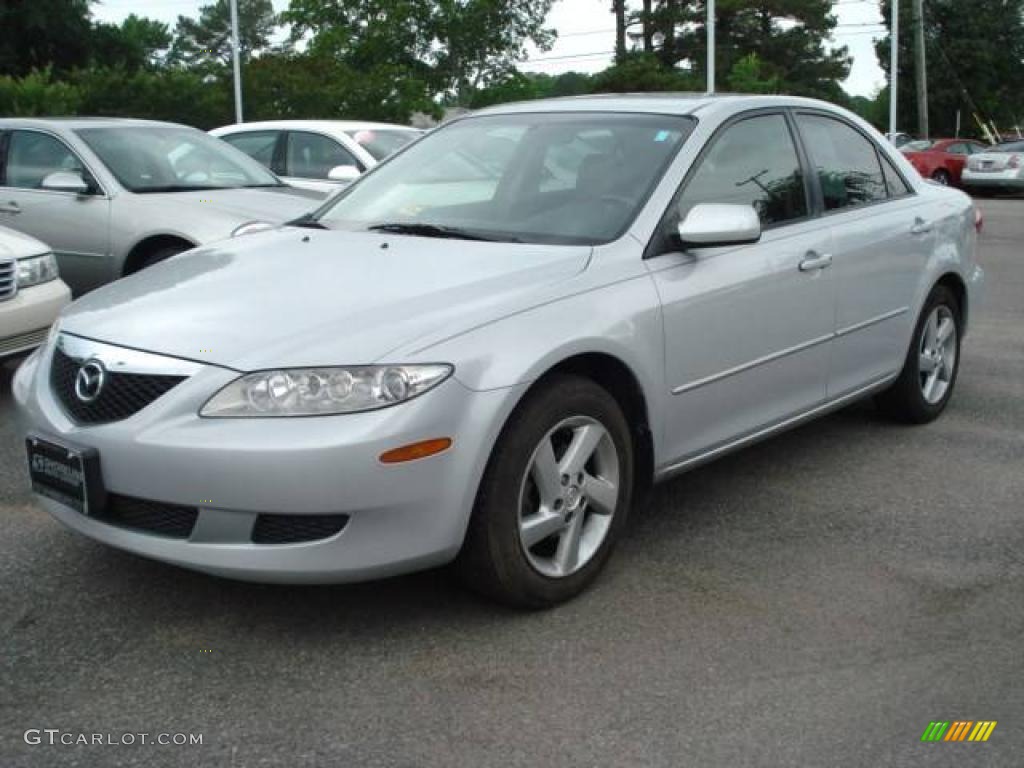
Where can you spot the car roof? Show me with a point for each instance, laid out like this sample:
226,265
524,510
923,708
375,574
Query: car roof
316,125
74,123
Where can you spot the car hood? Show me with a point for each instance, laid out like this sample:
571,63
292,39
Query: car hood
272,204
292,297
15,245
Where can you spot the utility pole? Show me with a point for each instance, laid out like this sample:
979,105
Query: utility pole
236,61
711,46
920,69
894,67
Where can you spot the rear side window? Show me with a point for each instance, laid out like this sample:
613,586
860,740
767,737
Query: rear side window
259,145
957,149
893,181
753,162
847,163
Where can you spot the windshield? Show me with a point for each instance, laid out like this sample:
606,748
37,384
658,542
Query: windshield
572,178
381,143
917,146
170,158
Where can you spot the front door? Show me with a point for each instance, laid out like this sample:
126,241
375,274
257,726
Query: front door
75,226
748,329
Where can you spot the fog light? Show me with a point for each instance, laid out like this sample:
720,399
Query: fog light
415,451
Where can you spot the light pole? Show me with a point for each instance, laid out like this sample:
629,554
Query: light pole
711,46
236,61
894,66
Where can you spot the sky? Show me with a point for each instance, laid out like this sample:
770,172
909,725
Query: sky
586,31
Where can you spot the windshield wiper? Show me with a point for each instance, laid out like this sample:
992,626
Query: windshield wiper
305,220
436,230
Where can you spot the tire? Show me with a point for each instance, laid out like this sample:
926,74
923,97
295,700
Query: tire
942,177
157,255
920,396
519,544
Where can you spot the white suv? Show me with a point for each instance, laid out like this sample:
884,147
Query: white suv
31,293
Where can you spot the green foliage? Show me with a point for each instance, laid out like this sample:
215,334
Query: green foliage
642,72
206,42
975,54
137,44
37,94
747,76
43,35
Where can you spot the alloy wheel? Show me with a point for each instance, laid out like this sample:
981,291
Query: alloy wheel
568,496
937,358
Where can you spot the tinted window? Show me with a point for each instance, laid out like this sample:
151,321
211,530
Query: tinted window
1017,146
754,162
259,145
381,143
33,156
957,149
312,156
847,163
893,181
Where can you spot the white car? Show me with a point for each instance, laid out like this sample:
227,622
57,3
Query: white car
31,293
1000,169
322,155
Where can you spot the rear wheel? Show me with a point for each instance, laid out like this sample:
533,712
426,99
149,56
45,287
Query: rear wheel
942,177
554,497
926,383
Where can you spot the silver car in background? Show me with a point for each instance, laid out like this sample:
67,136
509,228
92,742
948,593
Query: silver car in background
485,349
31,292
998,169
112,196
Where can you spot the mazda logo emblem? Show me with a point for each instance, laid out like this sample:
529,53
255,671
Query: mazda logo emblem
90,380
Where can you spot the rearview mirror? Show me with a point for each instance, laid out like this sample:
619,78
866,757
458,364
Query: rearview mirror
343,173
65,181
711,224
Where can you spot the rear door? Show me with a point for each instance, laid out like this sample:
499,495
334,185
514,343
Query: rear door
75,226
882,235
264,146
748,329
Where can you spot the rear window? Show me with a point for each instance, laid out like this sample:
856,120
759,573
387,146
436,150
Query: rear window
917,146
1017,146
381,143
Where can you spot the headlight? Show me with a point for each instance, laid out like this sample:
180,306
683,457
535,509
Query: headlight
323,391
250,227
36,269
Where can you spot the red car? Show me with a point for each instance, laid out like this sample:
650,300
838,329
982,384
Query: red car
942,160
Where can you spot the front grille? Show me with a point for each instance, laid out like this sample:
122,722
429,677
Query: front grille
150,516
290,529
23,342
8,273
123,394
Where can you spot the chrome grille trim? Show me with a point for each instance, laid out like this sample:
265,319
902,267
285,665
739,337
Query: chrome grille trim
124,360
8,279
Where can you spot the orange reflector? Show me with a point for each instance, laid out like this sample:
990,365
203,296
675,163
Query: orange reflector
415,451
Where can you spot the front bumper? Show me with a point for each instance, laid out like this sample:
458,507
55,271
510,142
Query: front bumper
402,517
1009,179
26,318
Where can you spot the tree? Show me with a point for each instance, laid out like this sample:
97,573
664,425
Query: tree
454,46
746,76
975,52
43,34
137,44
206,41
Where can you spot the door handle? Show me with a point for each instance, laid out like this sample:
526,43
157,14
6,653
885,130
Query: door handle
921,227
11,207
815,261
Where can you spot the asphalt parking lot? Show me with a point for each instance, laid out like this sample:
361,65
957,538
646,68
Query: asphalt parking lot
815,600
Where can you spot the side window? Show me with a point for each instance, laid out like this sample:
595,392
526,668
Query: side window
32,156
754,162
312,156
846,161
957,149
259,145
893,181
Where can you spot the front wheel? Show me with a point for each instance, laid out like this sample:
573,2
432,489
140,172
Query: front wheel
554,497
925,385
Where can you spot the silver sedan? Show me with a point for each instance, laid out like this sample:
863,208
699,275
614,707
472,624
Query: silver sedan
113,196
998,169
486,347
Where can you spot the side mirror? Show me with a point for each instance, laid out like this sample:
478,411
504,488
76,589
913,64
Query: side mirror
346,173
65,181
711,224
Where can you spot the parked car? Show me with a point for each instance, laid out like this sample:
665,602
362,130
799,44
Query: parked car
112,196
899,139
322,155
941,160
999,169
31,292
407,380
